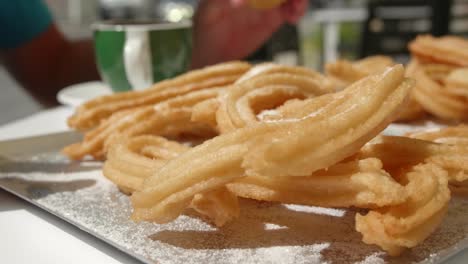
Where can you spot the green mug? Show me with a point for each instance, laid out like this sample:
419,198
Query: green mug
135,55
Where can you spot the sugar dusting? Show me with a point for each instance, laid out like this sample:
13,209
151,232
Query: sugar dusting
264,233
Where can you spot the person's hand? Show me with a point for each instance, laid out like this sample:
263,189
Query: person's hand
228,30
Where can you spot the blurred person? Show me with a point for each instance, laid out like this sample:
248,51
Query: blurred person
38,55
229,30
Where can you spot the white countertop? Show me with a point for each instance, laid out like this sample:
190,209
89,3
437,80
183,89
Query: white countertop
31,235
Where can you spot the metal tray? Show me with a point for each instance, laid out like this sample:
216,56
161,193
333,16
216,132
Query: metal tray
34,170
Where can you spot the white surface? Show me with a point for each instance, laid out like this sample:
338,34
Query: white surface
30,235
77,94
41,239
15,102
48,121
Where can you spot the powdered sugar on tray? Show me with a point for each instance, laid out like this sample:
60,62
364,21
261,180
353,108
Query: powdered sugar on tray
264,233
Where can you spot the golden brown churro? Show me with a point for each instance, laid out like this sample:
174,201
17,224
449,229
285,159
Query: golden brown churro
444,50
225,158
345,72
284,134
133,160
395,228
169,118
91,113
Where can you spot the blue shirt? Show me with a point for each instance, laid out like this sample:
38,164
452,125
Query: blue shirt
21,21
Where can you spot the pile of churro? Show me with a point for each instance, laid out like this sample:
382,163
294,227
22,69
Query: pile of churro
282,134
440,65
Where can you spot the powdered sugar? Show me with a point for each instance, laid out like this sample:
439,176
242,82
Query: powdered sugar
264,233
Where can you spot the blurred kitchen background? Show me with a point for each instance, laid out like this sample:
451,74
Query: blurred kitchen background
331,29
